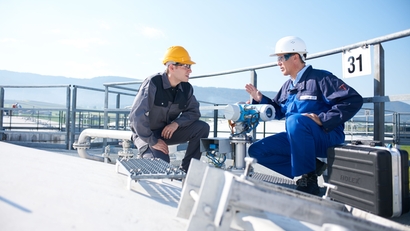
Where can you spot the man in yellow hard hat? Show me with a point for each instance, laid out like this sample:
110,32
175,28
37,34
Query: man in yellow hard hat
166,112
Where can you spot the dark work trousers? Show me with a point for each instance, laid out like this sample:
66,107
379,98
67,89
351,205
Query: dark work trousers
191,134
293,153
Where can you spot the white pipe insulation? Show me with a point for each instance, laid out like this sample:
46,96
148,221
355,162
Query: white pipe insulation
82,144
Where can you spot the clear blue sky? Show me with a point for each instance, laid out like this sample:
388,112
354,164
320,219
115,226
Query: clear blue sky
128,38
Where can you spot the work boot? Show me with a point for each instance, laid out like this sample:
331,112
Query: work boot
308,184
179,170
320,167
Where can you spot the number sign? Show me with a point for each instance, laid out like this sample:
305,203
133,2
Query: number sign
356,62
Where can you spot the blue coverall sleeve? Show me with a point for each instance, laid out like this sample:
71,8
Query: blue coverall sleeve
344,100
279,114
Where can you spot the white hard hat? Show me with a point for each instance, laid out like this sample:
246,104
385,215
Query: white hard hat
290,44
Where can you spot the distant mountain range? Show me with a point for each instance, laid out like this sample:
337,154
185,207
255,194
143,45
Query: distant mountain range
95,100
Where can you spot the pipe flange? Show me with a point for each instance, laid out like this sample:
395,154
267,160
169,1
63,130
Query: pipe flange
81,146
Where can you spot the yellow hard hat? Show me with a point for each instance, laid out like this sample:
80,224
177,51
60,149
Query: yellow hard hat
177,54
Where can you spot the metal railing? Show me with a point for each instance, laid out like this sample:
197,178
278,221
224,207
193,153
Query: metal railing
379,80
72,120
41,117
50,119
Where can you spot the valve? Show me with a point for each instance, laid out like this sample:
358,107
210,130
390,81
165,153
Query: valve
246,117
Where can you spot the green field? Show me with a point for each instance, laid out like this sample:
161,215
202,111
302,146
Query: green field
405,147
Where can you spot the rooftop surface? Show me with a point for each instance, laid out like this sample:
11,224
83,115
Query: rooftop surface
41,189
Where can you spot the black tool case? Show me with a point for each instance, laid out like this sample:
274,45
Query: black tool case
374,179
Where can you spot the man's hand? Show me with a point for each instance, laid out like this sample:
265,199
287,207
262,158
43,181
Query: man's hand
169,130
314,117
161,146
255,94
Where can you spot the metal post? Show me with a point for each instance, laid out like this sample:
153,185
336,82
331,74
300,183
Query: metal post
105,114
264,129
60,120
68,141
117,115
216,121
1,112
254,81
396,128
379,86
106,108
73,115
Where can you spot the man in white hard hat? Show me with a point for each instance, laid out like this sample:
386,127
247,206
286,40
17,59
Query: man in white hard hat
316,104
166,112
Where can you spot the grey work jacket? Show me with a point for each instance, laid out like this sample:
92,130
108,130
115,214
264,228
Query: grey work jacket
154,108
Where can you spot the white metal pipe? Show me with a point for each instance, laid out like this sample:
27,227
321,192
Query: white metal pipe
194,195
100,133
257,221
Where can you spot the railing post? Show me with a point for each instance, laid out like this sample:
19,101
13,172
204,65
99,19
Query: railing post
117,114
254,81
68,141
379,85
105,114
396,128
73,116
216,121
2,112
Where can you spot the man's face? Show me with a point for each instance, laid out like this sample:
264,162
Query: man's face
181,72
284,63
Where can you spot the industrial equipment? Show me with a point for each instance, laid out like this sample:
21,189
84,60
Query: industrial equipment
242,118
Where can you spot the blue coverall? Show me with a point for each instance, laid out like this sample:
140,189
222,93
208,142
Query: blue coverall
293,152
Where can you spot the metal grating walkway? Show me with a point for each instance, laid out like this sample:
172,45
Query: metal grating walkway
151,169
272,179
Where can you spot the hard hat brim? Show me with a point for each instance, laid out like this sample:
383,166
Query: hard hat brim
301,53
276,54
188,62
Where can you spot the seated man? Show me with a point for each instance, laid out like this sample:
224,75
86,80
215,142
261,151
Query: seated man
316,105
166,112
